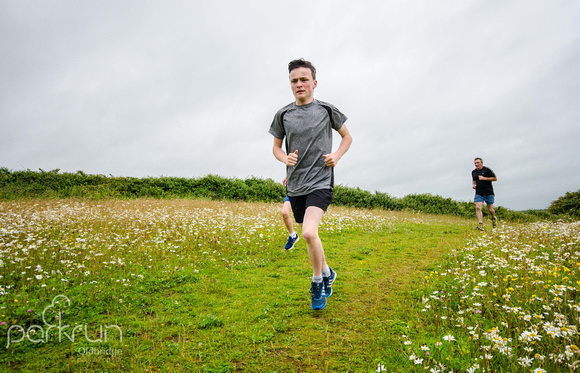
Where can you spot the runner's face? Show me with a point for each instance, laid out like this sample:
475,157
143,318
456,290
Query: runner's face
302,85
478,164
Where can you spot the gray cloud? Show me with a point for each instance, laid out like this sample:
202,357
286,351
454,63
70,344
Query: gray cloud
190,88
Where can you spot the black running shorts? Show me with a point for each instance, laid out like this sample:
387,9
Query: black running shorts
320,198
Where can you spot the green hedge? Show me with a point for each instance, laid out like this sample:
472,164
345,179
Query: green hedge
568,204
54,184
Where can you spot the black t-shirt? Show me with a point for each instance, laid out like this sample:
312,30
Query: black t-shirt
483,187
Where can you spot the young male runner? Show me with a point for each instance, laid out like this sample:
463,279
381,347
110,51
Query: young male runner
306,125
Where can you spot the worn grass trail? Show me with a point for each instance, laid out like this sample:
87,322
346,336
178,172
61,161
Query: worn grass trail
260,318
222,295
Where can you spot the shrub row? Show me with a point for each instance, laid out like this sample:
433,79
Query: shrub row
53,184
567,204
430,204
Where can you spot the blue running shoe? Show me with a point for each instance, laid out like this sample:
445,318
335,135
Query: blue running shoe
318,300
291,241
328,281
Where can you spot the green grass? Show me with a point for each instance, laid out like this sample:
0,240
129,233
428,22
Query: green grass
505,301
207,286
202,286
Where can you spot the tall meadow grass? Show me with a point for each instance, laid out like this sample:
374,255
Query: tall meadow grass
192,285
507,301
199,285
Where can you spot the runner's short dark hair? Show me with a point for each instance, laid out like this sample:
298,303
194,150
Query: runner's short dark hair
294,64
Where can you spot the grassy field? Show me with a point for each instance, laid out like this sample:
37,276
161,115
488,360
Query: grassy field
200,286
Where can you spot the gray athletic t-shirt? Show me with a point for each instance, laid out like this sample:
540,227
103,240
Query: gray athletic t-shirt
308,129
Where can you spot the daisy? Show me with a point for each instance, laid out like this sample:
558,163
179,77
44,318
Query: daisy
449,338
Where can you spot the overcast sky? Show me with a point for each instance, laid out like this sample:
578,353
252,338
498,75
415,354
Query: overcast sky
189,88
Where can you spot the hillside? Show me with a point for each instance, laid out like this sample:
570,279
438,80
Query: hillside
55,184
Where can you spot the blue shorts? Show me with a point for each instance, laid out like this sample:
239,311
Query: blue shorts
489,200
